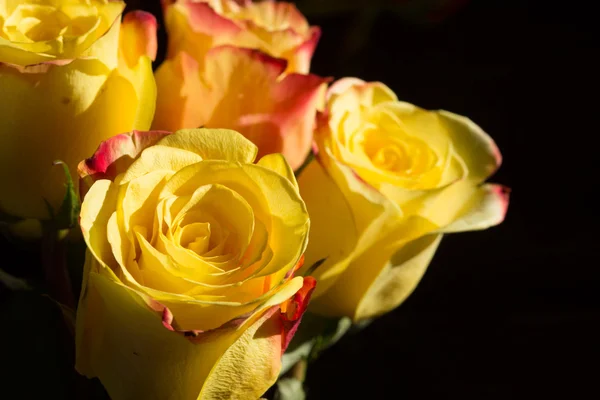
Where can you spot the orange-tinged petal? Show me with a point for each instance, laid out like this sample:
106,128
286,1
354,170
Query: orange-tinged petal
240,89
138,37
179,103
261,348
293,309
300,57
195,27
476,148
486,207
276,28
114,156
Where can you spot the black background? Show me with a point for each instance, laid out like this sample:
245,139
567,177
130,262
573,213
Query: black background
512,312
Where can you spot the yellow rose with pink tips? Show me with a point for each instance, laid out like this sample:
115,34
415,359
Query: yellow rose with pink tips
388,180
189,275
71,75
275,28
244,66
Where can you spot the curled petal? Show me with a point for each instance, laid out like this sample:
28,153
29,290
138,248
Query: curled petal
129,342
293,309
477,148
114,156
138,36
487,207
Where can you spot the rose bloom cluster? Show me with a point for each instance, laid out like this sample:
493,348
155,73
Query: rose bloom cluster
227,192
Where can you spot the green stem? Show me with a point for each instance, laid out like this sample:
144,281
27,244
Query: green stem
298,371
54,262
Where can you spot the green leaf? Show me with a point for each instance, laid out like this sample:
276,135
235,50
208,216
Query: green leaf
315,334
68,315
68,213
309,159
7,218
332,332
12,282
295,354
289,389
313,267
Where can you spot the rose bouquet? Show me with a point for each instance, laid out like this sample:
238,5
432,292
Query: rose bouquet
223,200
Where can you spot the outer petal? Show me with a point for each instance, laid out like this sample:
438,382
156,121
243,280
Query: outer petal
178,104
333,235
85,92
379,280
114,156
96,211
342,85
462,206
487,207
277,163
474,146
239,89
213,144
374,214
132,347
138,36
399,277
254,360
32,123
195,28
300,59
276,28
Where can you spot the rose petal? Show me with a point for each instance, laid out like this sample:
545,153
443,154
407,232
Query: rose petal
474,146
138,36
239,89
486,208
114,156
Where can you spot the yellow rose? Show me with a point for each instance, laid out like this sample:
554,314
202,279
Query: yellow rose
188,287
275,28
71,75
389,179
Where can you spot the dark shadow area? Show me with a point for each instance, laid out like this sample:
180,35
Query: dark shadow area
512,312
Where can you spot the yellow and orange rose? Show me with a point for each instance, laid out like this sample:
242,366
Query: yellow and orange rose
275,28
242,66
188,287
244,90
388,181
71,75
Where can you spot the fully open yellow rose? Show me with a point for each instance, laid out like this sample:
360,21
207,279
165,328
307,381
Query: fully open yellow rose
275,28
189,290
71,75
389,179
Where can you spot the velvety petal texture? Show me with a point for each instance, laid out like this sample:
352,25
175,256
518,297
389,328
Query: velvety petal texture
71,75
388,180
189,290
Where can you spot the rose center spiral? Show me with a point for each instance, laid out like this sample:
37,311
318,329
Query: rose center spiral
37,21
